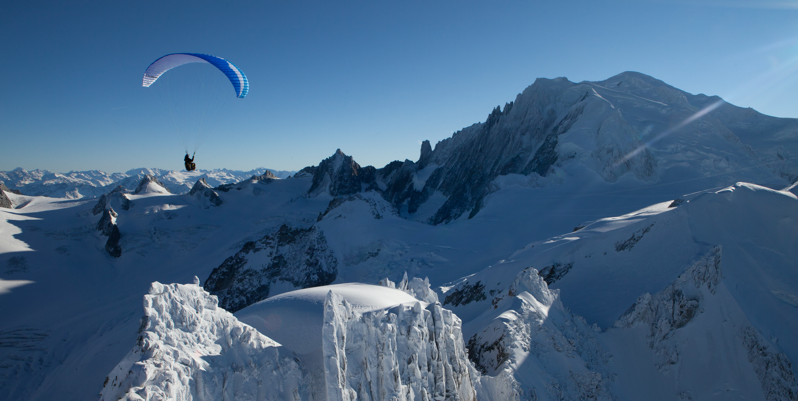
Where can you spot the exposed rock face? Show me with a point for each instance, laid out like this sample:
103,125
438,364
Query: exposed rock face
268,175
4,200
628,244
205,195
116,198
296,256
533,328
408,353
677,305
531,320
107,225
773,368
466,293
340,175
190,349
426,154
310,170
673,308
4,188
107,221
555,272
150,184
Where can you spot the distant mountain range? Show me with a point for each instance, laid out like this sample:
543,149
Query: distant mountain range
93,183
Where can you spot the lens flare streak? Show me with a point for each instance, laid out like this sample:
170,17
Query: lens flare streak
697,115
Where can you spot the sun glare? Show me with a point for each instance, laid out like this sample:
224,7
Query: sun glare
784,71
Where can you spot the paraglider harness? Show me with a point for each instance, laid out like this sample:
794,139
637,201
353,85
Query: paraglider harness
190,166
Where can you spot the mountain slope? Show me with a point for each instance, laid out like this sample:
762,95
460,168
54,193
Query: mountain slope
727,312
631,130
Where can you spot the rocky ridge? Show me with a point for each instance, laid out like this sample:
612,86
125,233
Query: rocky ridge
4,199
556,124
204,194
298,257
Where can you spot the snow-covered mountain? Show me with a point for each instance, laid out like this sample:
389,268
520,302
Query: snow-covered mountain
631,130
646,303
563,259
90,184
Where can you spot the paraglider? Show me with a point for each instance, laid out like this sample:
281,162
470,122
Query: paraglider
190,166
193,101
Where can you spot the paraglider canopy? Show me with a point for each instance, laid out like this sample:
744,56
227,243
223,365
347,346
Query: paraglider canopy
196,97
166,63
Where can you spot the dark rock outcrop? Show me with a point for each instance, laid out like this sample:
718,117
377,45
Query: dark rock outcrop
555,272
628,244
107,225
309,170
205,195
675,306
4,199
340,175
267,176
426,154
466,294
298,256
107,221
112,245
116,198
4,188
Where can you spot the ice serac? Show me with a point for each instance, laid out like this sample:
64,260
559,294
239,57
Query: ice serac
298,257
418,288
405,353
204,194
190,349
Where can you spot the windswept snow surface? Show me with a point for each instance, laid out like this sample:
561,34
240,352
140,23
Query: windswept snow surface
294,319
720,267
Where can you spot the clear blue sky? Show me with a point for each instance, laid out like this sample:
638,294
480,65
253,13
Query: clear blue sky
373,78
